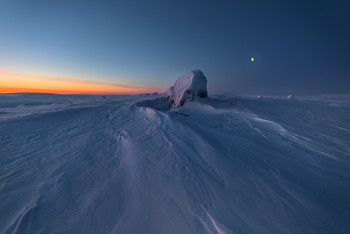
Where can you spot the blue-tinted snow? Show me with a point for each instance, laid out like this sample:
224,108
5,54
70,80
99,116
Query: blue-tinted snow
89,164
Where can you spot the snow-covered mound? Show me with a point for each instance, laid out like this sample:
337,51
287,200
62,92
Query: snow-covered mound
188,87
290,97
88,164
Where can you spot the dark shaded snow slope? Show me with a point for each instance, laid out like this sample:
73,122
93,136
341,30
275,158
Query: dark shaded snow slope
87,164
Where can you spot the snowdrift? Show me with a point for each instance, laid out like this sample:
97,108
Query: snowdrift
161,103
88,164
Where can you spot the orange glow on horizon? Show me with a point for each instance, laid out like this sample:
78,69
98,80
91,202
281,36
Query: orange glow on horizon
18,83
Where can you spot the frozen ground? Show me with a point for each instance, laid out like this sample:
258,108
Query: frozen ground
88,164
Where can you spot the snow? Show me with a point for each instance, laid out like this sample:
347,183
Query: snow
188,87
160,103
88,164
290,97
169,91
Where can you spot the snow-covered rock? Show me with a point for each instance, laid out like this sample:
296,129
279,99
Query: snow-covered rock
188,87
290,97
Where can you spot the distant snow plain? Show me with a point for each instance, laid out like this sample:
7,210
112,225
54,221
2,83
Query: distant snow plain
224,164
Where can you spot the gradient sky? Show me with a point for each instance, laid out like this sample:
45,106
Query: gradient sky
66,46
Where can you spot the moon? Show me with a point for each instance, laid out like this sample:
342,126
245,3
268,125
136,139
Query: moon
252,59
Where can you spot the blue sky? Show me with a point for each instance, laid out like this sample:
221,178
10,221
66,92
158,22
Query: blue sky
300,47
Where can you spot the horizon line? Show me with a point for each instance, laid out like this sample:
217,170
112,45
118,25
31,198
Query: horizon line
18,83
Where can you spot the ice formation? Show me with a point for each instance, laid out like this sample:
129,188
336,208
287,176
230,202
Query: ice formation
188,87
290,97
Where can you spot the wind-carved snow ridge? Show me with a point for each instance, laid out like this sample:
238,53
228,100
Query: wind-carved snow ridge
88,164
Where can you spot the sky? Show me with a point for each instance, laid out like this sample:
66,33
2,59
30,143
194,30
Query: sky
137,46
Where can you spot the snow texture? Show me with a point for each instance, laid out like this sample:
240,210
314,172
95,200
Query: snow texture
189,87
94,164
